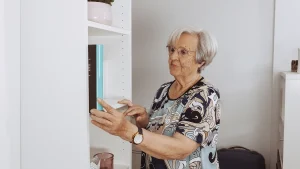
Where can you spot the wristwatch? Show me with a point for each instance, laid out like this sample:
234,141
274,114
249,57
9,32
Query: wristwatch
137,138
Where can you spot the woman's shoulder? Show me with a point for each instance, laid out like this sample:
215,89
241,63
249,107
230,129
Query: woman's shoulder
163,89
165,85
205,88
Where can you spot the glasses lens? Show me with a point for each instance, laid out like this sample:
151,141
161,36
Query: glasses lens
171,49
182,52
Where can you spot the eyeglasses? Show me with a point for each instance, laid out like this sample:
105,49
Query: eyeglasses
182,52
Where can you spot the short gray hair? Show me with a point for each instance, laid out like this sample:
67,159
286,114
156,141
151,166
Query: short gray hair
207,45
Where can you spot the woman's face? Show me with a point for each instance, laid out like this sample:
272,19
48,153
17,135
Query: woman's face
182,56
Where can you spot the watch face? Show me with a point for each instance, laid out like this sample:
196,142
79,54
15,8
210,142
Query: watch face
138,139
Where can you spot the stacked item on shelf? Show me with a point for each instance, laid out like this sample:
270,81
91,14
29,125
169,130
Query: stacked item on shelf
95,54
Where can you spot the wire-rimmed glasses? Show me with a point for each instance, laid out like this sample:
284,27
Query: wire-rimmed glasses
181,51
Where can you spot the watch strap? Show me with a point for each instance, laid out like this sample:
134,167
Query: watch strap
140,130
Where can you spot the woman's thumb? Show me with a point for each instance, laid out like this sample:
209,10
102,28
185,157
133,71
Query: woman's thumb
125,101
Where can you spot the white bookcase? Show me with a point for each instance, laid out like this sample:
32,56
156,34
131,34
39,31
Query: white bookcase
55,125
289,135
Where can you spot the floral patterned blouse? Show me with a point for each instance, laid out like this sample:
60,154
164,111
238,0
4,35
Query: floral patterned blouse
196,115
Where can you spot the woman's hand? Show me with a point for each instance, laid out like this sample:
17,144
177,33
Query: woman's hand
113,122
139,113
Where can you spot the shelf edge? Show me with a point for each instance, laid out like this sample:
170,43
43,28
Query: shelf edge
108,28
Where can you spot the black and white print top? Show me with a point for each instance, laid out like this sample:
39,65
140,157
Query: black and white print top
196,115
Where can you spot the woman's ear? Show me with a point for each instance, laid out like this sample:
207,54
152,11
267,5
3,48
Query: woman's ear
200,66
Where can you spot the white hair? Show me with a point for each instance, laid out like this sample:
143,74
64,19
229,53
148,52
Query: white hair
206,48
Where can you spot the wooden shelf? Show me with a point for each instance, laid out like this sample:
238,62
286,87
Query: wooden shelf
96,29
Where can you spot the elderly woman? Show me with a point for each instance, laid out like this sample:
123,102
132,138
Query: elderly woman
181,129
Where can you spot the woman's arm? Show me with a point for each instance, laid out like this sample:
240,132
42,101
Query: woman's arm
169,148
156,145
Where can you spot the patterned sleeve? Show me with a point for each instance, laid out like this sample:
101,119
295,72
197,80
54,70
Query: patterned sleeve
201,117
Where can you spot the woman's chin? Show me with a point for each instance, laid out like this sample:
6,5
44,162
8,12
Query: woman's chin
174,72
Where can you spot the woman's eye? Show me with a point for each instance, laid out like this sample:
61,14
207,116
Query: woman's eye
172,50
183,52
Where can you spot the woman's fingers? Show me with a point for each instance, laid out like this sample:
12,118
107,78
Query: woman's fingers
132,113
100,125
102,114
128,110
125,101
106,106
102,121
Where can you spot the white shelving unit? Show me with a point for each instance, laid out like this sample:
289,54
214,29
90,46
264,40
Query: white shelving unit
289,135
114,103
55,125
96,29
117,77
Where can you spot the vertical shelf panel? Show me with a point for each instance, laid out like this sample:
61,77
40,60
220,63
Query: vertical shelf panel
122,14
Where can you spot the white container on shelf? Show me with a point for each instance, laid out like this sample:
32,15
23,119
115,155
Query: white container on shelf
100,12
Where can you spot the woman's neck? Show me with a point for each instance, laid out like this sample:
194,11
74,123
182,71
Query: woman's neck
186,82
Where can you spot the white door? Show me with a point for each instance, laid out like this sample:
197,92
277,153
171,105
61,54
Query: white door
10,84
54,100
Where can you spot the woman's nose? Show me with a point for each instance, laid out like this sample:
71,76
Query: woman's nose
174,55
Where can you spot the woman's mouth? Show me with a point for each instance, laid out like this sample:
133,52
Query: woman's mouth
172,64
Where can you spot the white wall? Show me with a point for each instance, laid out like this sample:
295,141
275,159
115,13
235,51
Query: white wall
286,44
10,84
242,70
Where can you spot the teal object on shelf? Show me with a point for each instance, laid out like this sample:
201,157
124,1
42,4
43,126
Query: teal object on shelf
99,73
